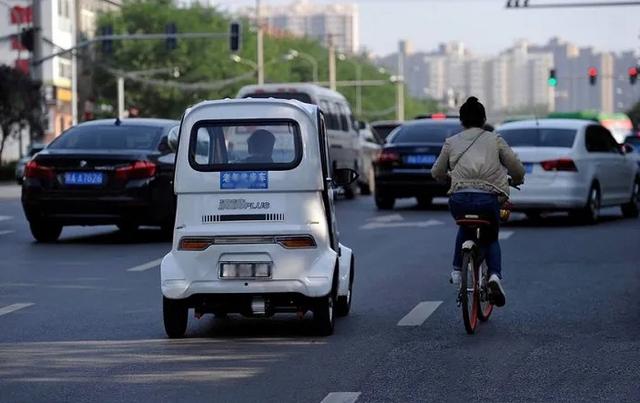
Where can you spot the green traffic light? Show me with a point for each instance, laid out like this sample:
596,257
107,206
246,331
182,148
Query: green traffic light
553,82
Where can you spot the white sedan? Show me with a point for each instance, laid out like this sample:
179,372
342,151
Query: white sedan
572,165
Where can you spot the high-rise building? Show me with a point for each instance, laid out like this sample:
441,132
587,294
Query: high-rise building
333,22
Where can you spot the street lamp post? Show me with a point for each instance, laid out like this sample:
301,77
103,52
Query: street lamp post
293,54
120,81
358,69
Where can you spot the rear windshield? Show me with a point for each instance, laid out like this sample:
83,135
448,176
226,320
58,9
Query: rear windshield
383,131
425,133
112,137
299,96
245,145
539,137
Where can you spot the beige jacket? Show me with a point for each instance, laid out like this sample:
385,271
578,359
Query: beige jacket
484,166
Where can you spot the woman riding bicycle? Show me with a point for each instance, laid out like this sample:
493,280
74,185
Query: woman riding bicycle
478,163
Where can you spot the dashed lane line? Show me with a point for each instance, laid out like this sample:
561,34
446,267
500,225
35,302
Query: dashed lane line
505,234
6,232
14,307
420,313
146,266
341,397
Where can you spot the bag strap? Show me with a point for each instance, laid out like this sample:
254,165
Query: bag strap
467,149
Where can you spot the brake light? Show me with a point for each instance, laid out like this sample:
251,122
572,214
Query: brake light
37,171
562,164
194,244
388,156
137,170
438,116
296,242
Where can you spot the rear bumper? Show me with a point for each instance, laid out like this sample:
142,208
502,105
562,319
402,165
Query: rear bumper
409,185
561,193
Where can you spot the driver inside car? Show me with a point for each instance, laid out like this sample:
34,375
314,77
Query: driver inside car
260,145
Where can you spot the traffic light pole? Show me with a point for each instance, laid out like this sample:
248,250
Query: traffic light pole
36,15
260,40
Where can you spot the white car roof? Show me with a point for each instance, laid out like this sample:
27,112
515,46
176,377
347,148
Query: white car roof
300,87
548,124
310,110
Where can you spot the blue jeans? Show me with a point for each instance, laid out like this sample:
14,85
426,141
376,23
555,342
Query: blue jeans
487,206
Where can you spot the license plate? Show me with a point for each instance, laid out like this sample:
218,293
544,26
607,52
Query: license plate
420,159
83,178
528,168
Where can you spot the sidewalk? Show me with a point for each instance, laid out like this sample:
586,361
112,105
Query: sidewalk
9,190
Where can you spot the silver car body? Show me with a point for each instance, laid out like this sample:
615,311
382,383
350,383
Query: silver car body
612,171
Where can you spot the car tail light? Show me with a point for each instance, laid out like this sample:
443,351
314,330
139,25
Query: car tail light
388,156
195,244
562,164
296,242
37,171
137,170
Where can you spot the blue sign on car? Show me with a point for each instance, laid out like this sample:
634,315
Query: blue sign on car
244,180
83,178
420,159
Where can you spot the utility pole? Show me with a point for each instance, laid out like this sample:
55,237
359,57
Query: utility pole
260,51
332,64
400,84
120,97
74,64
36,13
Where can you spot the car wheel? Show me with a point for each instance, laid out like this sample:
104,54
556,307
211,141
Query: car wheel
324,315
384,202
45,231
591,212
175,314
344,302
425,201
630,209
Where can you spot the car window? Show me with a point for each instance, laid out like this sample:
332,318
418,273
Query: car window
425,133
597,139
245,145
112,137
329,113
613,145
344,120
635,142
539,137
383,131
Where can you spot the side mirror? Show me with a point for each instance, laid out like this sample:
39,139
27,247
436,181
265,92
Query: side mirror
344,176
627,148
172,138
360,125
163,147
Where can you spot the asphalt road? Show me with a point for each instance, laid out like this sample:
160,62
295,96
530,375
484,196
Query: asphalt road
77,324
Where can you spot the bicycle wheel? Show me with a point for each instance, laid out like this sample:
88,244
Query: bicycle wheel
485,307
468,294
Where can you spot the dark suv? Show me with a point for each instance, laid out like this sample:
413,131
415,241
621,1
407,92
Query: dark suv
403,168
102,172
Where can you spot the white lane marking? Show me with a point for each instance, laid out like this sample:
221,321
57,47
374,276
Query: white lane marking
6,232
420,313
387,218
5,217
505,234
418,224
14,307
146,266
341,397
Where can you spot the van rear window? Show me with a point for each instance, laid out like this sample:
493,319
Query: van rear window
298,96
245,145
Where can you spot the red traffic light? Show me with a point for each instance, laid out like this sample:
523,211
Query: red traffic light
593,72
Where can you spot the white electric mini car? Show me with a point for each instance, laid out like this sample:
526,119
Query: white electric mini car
255,229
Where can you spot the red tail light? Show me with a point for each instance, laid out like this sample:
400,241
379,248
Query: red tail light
388,156
137,170
562,164
37,171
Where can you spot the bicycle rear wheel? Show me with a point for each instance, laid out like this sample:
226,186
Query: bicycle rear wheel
468,292
485,307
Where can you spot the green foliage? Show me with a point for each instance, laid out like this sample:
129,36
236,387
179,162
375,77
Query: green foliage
634,114
208,61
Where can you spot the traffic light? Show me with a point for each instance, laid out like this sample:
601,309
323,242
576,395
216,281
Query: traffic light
593,75
107,44
633,75
552,81
234,37
171,42
27,38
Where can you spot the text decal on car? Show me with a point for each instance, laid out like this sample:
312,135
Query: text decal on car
244,180
242,204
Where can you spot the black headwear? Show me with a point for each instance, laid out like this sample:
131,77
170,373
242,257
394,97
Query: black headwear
472,113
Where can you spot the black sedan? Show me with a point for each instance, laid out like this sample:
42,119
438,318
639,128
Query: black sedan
403,168
100,173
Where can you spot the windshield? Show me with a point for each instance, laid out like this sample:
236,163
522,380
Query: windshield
425,133
539,137
94,137
383,131
263,145
299,96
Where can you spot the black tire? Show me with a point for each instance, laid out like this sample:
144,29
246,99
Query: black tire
590,213
384,202
45,231
175,314
343,307
630,209
468,299
324,314
425,201
485,307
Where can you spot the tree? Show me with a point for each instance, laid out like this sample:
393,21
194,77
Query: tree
21,104
634,115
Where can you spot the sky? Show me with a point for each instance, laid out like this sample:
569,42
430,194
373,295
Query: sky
485,26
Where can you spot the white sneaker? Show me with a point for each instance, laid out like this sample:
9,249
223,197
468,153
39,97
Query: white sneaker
497,295
455,278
